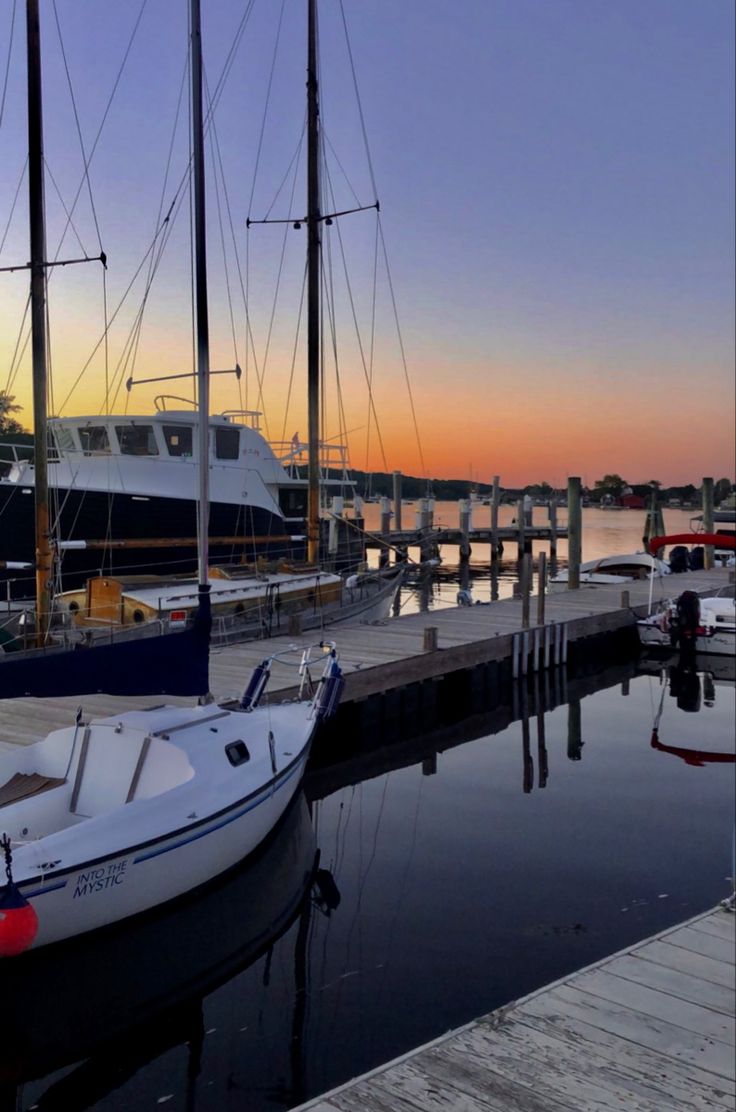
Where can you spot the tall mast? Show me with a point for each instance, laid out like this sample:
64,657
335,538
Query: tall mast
200,256
38,316
313,290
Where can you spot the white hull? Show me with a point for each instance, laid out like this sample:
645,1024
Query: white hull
719,643
123,814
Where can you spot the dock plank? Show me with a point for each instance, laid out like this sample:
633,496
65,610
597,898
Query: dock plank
634,1032
707,945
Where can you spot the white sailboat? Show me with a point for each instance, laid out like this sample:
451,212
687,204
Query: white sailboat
108,818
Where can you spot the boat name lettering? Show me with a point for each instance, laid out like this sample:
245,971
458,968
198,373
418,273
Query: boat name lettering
96,880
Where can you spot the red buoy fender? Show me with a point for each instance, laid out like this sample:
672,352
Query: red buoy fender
18,921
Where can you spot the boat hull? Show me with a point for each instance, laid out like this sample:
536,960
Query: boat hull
93,514
113,887
718,643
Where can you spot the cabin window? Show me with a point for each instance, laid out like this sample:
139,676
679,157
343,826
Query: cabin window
93,439
227,443
237,753
178,439
65,439
137,440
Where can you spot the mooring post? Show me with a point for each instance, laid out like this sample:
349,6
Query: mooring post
430,512
495,499
574,532
541,587
521,538
385,529
708,522
464,507
625,600
397,501
552,513
430,639
526,588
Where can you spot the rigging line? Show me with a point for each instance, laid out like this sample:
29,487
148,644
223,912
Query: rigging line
111,321
7,63
401,347
222,241
264,361
83,249
329,301
341,168
295,157
88,161
373,345
15,201
265,108
360,343
357,97
17,358
79,128
294,353
192,261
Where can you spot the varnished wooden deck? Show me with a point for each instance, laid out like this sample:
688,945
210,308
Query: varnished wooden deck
650,1029
377,658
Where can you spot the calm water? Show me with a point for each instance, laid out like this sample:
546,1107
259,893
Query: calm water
605,533
448,886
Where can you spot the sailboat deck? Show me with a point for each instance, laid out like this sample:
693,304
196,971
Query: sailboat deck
378,658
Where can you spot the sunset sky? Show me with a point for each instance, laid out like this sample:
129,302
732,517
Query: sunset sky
556,180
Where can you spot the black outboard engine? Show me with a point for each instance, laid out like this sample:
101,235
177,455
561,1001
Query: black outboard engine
697,558
685,622
679,560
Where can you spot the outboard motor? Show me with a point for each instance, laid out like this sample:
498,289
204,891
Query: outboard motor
256,686
685,622
679,559
330,690
697,558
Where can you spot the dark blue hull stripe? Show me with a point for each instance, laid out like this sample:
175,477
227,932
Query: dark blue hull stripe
266,794
158,851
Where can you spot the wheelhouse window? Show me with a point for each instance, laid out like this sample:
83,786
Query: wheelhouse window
64,438
136,440
178,439
227,443
94,440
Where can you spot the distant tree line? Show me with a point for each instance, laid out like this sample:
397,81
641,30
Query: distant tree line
380,483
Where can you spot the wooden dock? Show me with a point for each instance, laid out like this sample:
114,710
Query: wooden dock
648,1029
382,657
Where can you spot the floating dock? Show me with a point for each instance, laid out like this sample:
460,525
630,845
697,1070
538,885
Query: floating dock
400,651
647,1029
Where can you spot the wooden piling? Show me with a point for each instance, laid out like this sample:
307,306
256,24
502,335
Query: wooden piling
541,587
574,532
520,531
495,499
385,528
397,501
464,507
430,639
552,514
526,585
708,523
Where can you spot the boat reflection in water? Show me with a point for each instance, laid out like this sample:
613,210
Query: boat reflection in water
122,996
693,686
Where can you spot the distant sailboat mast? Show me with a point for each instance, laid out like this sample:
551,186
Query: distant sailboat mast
38,318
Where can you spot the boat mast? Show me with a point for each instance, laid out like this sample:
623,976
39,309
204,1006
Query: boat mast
200,256
313,290
38,317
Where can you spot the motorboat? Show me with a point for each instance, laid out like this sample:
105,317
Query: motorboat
705,626
111,817
611,571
